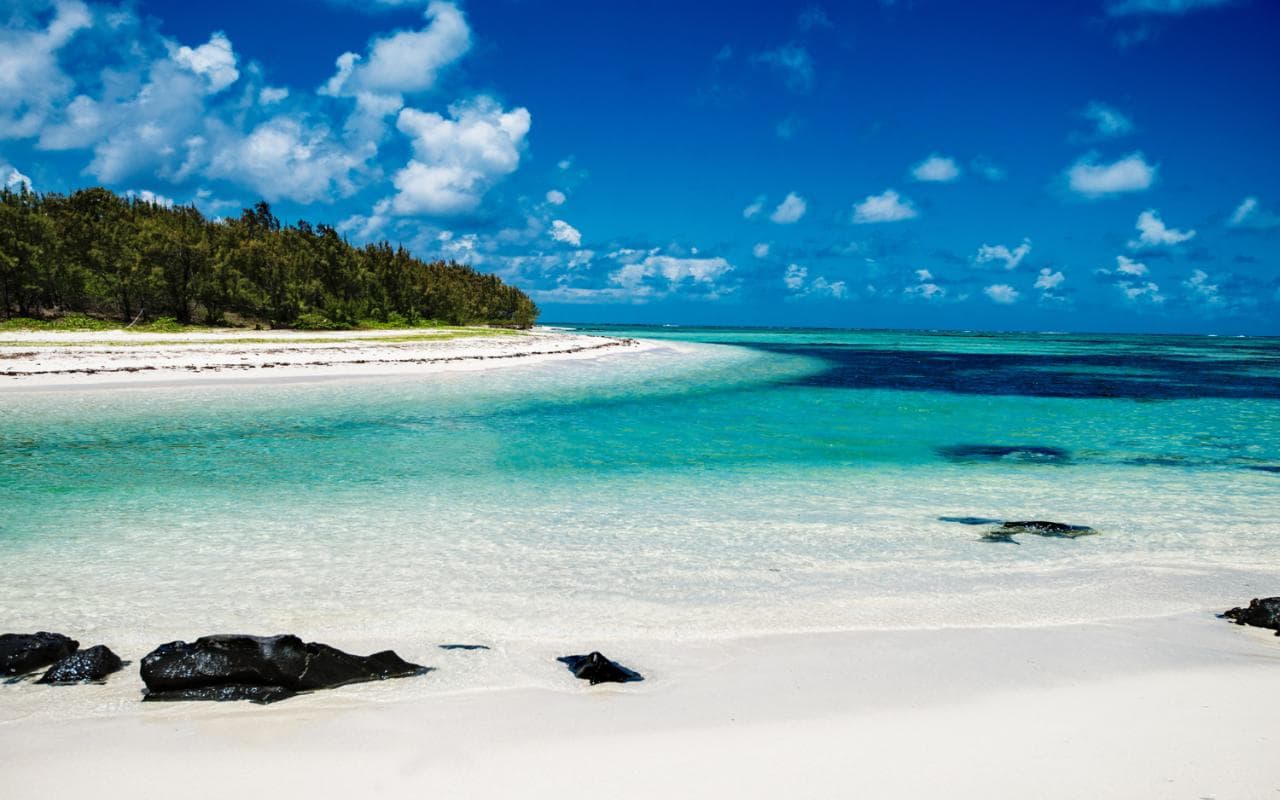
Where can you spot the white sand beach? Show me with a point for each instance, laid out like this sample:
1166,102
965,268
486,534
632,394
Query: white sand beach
1172,707
54,359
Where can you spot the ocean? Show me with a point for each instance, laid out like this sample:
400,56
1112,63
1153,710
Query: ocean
733,482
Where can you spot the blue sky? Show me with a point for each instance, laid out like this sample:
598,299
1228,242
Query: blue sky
1092,165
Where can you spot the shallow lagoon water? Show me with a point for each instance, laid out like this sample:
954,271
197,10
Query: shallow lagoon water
734,483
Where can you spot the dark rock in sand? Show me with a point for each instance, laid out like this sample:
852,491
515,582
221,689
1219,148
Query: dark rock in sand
21,653
1043,528
463,646
1264,613
260,668
971,520
596,668
1032,454
84,666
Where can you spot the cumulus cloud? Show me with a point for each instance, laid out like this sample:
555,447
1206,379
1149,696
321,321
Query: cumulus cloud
1251,214
458,159
1137,291
936,169
754,208
405,62
793,62
32,82
1001,293
790,210
1093,179
1154,233
797,281
1010,259
562,231
925,289
1122,8
11,178
888,206
1127,266
270,95
213,61
1200,288
760,250
1049,280
648,274
1107,122
287,158
556,197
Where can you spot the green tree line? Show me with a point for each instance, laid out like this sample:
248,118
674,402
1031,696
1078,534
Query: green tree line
95,252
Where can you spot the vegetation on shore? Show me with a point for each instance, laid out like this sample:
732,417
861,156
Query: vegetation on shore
93,258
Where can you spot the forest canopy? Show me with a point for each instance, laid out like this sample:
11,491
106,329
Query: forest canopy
95,252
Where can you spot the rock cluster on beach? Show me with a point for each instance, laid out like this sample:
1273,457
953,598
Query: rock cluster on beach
1260,613
21,653
263,669
84,666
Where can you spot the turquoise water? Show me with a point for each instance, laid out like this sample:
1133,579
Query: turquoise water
728,482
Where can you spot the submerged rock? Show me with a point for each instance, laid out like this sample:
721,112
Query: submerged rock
263,669
21,653
1264,613
84,666
596,668
1041,527
463,646
1034,454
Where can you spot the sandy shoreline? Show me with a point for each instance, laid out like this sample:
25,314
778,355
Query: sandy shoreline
1179,706
48,360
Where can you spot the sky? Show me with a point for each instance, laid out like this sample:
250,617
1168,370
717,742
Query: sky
1098,165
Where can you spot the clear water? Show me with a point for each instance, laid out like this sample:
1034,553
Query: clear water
733,482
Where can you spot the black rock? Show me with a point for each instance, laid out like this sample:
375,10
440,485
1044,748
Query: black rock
971,520
1264,613
463,646
1034,454
596,668
260,668
84,666
21,653
1043,528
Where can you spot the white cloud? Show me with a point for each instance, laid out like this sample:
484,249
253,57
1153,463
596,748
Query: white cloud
1127,266
11,178
1129,174
936,169
1154,233
564,163
753,210
1001,293
555,197
1011,258
1121,8
926,291
654,275
1049,280
794,63
760,250
405,62
790,210
457,160
797,281
924,275
148,196
32,82
1107,122
270,95
1251,214
1141,291
562,231
887,206
286,158
214,61
1200,287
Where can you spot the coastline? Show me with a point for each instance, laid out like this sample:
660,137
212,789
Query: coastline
1177,706
38,360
